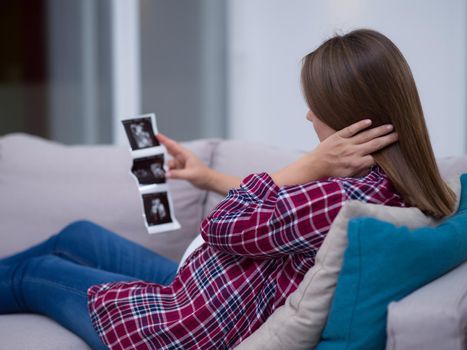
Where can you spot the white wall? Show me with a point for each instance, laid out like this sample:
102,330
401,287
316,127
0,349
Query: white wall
126,75
269,37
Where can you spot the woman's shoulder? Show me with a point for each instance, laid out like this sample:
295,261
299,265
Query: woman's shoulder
374,187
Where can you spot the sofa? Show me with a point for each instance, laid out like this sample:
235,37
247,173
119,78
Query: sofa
46,185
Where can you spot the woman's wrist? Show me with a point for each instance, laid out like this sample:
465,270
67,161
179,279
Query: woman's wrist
281,177
305,169
209,179
220,182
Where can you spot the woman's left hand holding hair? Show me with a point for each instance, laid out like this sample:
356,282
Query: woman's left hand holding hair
347,152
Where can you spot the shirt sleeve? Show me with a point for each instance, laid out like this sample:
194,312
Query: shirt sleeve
261,220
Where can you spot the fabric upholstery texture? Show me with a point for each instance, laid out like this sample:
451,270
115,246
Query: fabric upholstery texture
437,311
46,185
34,332
383,263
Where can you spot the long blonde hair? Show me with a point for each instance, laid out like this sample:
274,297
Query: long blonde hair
364,75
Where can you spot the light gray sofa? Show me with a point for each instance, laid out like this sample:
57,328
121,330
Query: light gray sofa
46,185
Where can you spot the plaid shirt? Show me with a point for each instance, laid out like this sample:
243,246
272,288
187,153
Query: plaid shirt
260,242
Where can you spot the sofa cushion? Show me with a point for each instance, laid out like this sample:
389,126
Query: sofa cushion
437,311
452,166
383,263
35,332
46,185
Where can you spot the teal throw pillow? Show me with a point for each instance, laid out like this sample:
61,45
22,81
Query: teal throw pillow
385,263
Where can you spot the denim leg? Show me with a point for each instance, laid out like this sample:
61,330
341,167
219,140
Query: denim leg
8,302
56,288
91,245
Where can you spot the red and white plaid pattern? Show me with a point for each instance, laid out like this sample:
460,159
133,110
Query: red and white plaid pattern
260,242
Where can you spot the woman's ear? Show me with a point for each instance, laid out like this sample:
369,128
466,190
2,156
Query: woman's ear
310,116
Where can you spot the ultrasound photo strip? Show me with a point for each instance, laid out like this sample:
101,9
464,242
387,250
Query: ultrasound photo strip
158,210
148,169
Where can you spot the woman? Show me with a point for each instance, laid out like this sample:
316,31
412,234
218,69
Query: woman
263,237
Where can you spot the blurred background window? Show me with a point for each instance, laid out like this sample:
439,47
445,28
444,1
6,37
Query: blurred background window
23,68
183,65
70,69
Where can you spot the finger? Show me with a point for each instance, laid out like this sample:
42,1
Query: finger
161,137
379,143
367,161
175,163
176,174
180,160
171,163
353,129
172,146
373,133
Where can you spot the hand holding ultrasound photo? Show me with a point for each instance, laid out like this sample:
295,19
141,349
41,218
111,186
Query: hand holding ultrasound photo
149,171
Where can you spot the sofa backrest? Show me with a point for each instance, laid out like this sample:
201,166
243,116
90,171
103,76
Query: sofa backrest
45,185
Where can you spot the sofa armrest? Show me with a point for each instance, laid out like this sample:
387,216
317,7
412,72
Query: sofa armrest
433,317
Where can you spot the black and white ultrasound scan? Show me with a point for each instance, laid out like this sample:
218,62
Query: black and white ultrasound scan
148,169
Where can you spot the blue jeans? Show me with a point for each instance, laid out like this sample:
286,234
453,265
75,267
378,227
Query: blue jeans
52,278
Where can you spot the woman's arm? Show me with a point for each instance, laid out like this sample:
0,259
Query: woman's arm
345,153
220,182
289,212
185,165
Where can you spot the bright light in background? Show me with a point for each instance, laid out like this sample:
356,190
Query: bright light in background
211,68
346,12
126,94
268,39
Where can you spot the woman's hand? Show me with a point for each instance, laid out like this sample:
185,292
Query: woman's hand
348,151
185,165
345,153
